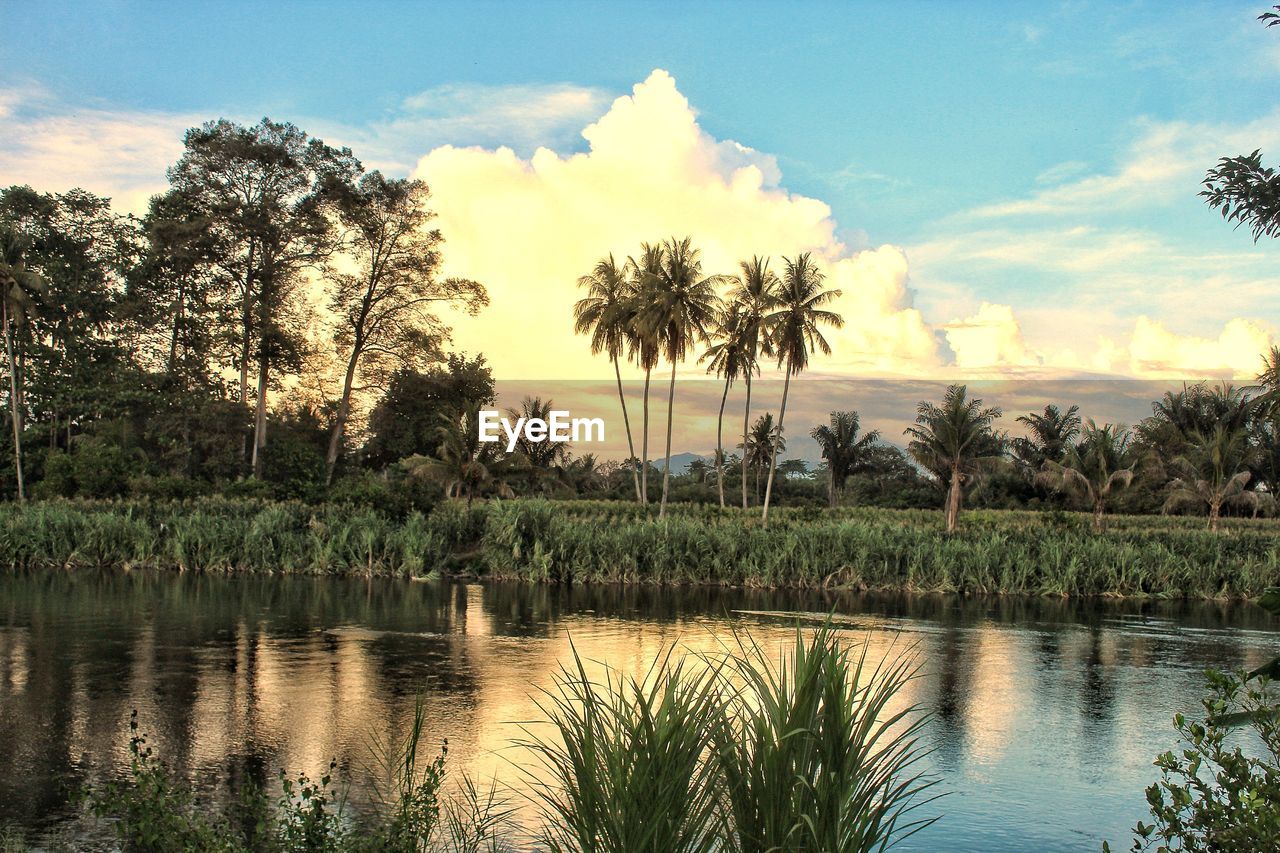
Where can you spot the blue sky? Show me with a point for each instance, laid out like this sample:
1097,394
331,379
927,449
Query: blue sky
1000,145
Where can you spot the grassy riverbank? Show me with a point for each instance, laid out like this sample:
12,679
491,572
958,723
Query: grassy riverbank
606,542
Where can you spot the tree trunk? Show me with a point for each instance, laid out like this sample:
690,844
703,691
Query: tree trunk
773,455
14,410
831,486
1097,516
666,468
746,426
644,444
260,420
626,423
1215,509
954,494
340,421
720,442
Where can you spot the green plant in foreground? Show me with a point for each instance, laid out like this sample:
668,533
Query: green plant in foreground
736,754
1212,795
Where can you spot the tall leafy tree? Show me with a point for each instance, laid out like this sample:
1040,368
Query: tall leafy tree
1096,468
680,306
955,442
795,330
845,451
263,187
606,313
755,292
385,307
19,291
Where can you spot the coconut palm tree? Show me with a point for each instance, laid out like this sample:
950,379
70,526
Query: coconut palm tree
764,442
794,331
1212,471
955,441
544,457
727,357
605,313
1100,465
680,308
19,290
755,292
642,343
843,449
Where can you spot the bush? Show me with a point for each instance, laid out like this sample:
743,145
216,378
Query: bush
1212,795
94,468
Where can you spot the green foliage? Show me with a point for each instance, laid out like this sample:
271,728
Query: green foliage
1213,795
94,468
734,754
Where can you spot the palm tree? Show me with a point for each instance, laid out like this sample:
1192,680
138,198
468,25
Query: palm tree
543,457
1049,439
464,465
755,292
728,357
681,305
20,287
764,441
1212,471
1099,466
843,449
794,332
642,343
605,313
955,441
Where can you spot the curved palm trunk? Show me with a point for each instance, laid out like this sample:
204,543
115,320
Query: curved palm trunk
666,468
746,418
1098,506
13,405
1215,512
955,492
631,448
644,444
720,442
773,455
831,486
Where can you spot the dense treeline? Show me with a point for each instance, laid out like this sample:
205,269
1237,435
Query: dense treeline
271,327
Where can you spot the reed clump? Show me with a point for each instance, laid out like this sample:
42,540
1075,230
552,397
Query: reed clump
994,552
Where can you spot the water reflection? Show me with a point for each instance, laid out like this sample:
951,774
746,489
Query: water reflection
1048,712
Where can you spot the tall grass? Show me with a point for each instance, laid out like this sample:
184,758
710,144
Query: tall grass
614,542
739,754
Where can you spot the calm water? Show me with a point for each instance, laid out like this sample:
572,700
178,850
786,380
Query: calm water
1048,713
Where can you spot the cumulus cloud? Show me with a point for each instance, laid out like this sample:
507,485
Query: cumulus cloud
529,227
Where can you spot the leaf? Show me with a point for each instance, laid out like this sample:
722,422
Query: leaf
1270,670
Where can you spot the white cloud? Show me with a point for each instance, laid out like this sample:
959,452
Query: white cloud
528,228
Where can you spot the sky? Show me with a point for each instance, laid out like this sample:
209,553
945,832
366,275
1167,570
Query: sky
999,190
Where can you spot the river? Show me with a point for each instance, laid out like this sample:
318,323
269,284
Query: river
1047,714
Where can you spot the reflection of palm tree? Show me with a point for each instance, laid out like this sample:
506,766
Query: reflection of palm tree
679,307
843,449
954,441
755,292
20,289
1212,471
1100,465
605,312
794,332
